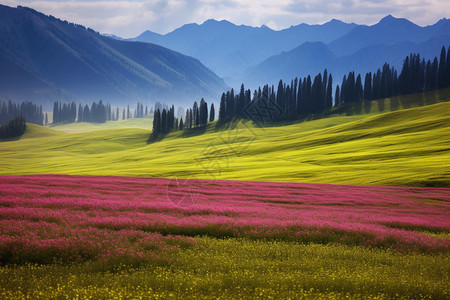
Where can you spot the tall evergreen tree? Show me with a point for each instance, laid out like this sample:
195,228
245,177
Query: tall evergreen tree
212,112
181,124
442,70
358,89
299,98
196,115
156,123
164,129
368,87
337,96
329,98
447,69
203,114
222,109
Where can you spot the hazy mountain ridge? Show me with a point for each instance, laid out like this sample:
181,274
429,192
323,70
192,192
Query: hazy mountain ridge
229,49
363,49
45,59
259,55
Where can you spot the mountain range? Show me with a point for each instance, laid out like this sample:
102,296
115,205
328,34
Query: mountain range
229,49
45,59
259,55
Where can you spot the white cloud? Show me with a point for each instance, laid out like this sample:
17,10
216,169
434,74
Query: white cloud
130,18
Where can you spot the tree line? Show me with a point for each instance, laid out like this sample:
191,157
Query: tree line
164,120
29,111
14,128
95,113
308,95
313,96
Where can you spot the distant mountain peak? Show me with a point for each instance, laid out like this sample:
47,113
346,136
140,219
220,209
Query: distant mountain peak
334,21
216,22
387,20
390,19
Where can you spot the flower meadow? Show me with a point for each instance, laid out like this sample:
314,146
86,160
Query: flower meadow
122,226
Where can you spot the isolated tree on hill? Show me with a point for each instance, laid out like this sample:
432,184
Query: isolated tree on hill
46,119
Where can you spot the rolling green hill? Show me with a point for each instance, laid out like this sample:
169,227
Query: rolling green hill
143,123
401,147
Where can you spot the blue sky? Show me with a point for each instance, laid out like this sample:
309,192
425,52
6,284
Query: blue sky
130,18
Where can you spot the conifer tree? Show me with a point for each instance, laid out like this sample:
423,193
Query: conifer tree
212,113
329,95
222,109
196,115
337,96
164,129
442,70
447,69
203,114
368,87
181,125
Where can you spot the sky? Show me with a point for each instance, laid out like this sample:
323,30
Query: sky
131,18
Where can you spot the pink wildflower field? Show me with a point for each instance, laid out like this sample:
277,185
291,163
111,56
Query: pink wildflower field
54,218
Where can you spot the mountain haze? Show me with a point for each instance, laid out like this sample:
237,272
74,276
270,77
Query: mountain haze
229,49
44,58
259,55
363,49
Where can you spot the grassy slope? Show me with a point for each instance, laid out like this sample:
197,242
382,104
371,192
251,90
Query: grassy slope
404,147
144,123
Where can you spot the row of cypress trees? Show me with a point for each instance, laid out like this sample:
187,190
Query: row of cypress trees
29,111
164,120
95,113
14,128
309,95
313,96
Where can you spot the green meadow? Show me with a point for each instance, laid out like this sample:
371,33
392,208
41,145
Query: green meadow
143,123
402,141
242,269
